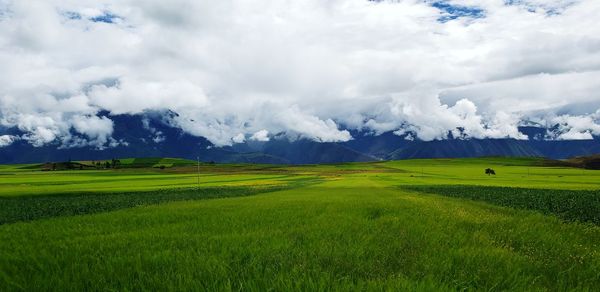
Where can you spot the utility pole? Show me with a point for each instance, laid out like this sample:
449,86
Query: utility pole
198,159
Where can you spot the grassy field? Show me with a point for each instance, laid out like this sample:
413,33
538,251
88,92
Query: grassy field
401,225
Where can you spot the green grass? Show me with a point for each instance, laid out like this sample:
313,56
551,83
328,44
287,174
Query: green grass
102,181
580,205
359,228
27,208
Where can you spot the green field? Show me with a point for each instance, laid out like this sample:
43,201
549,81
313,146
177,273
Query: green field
401,225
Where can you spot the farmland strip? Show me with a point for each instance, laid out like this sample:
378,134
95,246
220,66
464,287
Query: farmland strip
28,208
570,205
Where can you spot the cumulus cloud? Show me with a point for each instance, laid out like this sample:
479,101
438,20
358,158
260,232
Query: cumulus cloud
577,127
239,138
237,70
6,140
262,135
96,128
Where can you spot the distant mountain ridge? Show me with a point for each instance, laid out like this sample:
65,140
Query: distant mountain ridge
149,135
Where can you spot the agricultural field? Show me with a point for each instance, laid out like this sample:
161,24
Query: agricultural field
425,225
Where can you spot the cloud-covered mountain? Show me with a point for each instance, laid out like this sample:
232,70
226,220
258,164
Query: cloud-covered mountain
152,135
243,72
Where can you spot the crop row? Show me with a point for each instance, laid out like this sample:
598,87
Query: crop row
571,205
27,208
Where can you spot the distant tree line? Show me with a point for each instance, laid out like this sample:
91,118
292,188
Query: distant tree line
70,165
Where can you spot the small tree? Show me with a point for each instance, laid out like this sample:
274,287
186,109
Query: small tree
490,171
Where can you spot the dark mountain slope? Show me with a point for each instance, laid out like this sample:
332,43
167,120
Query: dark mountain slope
377,146
567,149
465,148
151,135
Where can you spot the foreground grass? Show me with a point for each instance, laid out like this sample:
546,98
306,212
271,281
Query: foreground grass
357,230
315,238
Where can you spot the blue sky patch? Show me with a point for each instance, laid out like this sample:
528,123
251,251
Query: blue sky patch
4,10
106,17
451,12
550,9
71,15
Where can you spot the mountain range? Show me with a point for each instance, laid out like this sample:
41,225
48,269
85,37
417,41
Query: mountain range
149,135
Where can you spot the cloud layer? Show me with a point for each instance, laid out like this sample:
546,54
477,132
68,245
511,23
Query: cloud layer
242,70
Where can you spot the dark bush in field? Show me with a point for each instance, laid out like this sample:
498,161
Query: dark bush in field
581,205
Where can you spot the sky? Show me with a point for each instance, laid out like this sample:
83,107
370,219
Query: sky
235,71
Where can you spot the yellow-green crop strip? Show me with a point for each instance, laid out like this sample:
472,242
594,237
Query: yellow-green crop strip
425,225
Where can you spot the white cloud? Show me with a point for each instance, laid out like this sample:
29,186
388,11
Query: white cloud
307,68
6,140
577,127
239,138
262,135
575,135
539,92
95,128
309,126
